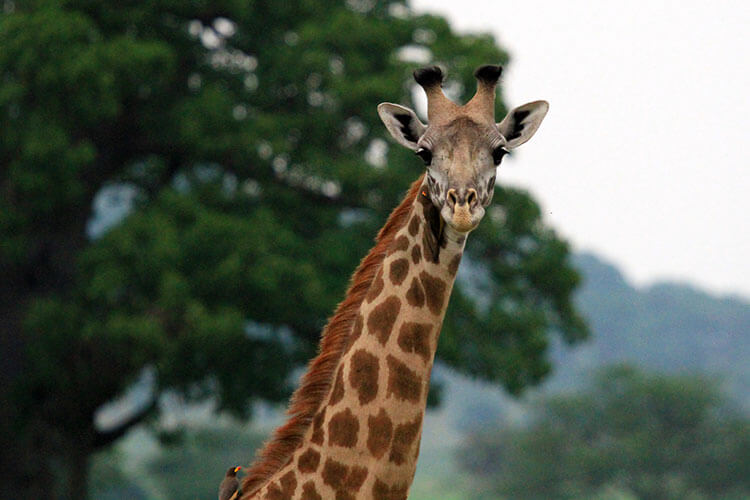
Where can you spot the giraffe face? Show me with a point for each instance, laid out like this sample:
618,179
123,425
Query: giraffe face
461,159
462,146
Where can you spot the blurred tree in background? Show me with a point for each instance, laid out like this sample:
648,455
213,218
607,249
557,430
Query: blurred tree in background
242,142
181,469
629,436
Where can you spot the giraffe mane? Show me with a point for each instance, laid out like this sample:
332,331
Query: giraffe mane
317,381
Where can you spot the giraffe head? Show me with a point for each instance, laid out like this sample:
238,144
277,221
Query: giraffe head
461,145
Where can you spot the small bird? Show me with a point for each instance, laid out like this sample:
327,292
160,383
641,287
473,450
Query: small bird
229,484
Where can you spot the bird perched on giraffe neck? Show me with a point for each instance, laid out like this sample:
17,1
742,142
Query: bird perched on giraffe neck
229,484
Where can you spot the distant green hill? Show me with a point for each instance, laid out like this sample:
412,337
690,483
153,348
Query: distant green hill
665,327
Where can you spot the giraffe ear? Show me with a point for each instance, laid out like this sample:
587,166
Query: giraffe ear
522,122
402,123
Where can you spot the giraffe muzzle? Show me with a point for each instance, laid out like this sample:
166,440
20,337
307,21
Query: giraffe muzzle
462,209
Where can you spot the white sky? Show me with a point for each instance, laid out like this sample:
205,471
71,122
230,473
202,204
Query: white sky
645,154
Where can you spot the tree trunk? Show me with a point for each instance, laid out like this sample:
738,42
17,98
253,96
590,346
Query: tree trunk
78,476
25,471
69,465
18,483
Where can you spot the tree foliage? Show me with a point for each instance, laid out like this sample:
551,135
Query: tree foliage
631,435
243,143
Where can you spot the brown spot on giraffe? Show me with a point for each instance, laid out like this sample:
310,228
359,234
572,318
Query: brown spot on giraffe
403,383
285,490
308,461
400,244
289,483
376,287
345,480
399,270
309,492
416,254
415,295
415,337
318,435
403,438
356,478
380,431
434,290
343,429
363,375
338,388
453,266
334,473
382,317
275,493
381,491
414,225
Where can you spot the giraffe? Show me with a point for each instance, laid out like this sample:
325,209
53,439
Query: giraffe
355,422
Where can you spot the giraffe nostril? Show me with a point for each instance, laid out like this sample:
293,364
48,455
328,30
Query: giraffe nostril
452,197
472,198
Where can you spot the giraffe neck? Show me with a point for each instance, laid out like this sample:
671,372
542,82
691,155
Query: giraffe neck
364,439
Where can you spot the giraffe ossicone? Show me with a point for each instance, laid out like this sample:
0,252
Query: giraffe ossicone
355,422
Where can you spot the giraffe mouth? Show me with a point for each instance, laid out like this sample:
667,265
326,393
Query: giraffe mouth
463,218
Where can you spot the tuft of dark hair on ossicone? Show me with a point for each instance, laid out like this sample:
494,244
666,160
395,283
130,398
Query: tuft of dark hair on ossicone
489,73
428,76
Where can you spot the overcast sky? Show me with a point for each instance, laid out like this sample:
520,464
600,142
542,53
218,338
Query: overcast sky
644,156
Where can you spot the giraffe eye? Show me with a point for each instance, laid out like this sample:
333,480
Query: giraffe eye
425,154
498,153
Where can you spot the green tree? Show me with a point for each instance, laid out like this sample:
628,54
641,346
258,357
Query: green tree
243,143
194,467
631,435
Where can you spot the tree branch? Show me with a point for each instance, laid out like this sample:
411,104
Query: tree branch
341,200
103,439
